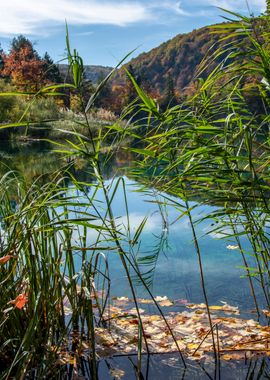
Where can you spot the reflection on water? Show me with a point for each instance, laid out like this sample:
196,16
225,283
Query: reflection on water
173,268
156,366
176,272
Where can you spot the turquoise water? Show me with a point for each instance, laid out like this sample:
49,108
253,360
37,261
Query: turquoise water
174,267
175,270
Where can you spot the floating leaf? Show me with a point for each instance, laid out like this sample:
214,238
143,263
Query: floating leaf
117,373
266,312
121,299
232,247
145,301
166,303
159,298
225,307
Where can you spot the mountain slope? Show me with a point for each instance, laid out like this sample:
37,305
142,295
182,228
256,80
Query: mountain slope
92,72
177,59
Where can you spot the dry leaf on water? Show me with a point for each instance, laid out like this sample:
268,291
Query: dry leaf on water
117,373
266,312
238,337
232,247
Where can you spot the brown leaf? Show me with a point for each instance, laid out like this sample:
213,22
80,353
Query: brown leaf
266,312
117,373
5,259
166,303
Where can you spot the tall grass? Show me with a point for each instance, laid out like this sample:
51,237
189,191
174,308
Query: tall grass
213,147
56,281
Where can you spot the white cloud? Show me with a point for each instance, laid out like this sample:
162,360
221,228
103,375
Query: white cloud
170,5
233,5
32,16
41,17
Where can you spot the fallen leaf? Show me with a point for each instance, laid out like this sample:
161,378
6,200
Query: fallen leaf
266,312
233,356
145,301
159,298
192,346
117,373
166,303
20,301
5,259
134,311
232,247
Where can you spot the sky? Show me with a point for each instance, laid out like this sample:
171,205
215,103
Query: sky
104,31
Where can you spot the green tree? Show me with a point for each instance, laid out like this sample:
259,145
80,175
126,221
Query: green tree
2,55
105,96
21,42
169,98
268,7
131,92
51,70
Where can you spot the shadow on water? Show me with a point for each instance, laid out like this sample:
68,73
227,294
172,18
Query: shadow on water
169,367
40,160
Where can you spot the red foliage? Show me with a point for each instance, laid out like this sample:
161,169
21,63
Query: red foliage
20,301
24,67
5,259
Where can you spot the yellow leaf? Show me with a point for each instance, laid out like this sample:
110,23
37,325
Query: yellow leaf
215,308
192,346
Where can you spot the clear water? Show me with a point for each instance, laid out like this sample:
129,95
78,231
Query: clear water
176,271
176,274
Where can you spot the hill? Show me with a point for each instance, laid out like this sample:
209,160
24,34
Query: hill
176,60
92,72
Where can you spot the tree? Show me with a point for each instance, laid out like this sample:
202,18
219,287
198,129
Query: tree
23,64
2,55
105,96
19,43
131,91
51,70
169,98
268,7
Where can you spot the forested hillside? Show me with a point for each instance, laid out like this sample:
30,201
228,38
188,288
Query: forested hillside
169,72
93,73
177,59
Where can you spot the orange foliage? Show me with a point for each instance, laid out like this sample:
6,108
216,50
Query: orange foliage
20,301
5,259
24,67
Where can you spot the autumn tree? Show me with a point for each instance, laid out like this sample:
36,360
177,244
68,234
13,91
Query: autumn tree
23,64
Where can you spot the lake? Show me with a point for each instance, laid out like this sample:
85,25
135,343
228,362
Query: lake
173,270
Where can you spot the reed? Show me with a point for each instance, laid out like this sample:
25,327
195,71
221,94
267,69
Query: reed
214,147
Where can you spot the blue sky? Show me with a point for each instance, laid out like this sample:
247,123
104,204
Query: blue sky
104,31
